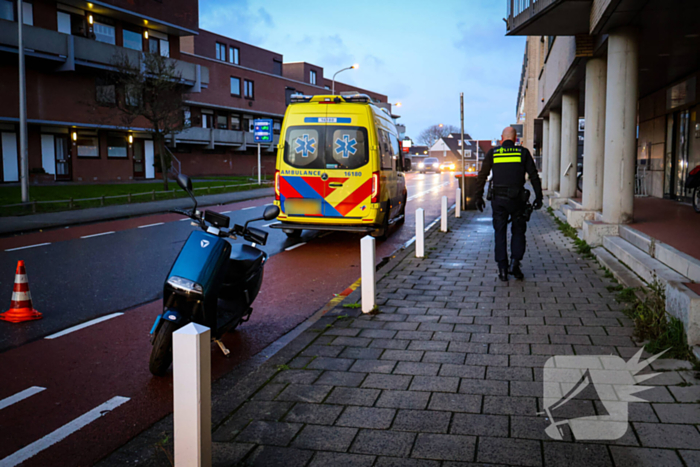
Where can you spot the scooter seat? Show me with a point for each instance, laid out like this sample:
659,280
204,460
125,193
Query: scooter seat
246,258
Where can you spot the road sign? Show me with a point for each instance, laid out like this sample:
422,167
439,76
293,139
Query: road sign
263,130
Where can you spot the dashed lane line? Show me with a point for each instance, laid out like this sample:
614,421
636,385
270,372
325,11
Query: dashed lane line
250,207
83,325
28,246
8,401
60,434
294,246
97,234
150,225
224,212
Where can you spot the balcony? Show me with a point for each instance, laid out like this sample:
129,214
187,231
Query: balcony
212,137
548,17
69,51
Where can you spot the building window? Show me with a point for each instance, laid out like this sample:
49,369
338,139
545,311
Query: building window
158,43
187,117
7,10
234,55
207,119
236,122
88,146
276,67
132,40
131,95
312,77
221,122
327,87
235,86
116,145
105,92
62,20
28,14
104,33
248,89
276,127
220,51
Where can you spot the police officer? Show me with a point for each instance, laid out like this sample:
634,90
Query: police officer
509,163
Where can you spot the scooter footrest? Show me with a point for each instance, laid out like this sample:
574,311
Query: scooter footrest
246,316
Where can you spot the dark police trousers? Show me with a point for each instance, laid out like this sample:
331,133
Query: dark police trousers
504,208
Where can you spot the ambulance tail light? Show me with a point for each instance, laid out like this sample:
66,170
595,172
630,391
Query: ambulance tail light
375,187
277,185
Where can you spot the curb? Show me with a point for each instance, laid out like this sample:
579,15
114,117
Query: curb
33,222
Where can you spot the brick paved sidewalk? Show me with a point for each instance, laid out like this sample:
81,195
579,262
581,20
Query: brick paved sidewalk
451,370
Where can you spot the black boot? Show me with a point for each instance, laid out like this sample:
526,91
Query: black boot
515,269
503,274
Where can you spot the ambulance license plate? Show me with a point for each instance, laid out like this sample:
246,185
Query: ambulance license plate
302,207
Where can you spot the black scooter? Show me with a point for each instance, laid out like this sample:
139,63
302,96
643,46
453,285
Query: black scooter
212,282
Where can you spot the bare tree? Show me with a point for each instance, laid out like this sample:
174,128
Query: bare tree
151,88
433,133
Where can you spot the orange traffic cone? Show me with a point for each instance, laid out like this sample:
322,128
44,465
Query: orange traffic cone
21,308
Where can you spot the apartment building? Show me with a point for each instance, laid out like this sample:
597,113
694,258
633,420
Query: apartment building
73,135
574,50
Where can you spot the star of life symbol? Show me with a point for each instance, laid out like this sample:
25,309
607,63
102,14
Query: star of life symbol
608,378
346,146
305,146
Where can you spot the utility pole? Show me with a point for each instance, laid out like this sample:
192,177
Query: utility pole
23,157
259,168
461,143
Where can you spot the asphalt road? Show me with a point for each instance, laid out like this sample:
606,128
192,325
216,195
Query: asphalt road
74,279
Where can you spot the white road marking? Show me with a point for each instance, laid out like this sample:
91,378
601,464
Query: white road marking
29,246
418,195
83,325
294,246
97,234
185,219
66,430
8,401
224,212
150,225
273,223
251,207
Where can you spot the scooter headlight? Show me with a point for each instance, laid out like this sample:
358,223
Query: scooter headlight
184,285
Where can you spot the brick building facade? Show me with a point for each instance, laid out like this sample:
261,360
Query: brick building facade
73,137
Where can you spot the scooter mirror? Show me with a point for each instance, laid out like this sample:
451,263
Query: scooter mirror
184,182
271,212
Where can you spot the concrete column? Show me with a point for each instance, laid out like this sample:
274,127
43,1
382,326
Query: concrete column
594,136
622,90
554,149
545,154
569,144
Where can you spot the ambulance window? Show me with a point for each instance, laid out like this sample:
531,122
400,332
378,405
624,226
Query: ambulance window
385,149
302,148
348,148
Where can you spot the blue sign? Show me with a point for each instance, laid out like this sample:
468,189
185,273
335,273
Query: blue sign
305,146
346,146
263,130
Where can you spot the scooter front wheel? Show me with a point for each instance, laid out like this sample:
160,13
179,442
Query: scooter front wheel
162,353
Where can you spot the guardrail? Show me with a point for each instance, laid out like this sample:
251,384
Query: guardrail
71,202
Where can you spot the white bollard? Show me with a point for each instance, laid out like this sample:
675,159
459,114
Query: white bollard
192,395
458,203
420,233
368,269
443,214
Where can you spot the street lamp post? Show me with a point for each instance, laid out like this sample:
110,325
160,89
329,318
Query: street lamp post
353,67
24,161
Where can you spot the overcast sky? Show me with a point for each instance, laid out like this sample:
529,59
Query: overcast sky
421,53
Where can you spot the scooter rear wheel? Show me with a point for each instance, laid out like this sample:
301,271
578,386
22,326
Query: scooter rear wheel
162,353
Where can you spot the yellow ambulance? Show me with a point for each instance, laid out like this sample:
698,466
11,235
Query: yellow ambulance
339,167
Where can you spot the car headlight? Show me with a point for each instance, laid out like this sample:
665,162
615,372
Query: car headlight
421,165
435,165
185,285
